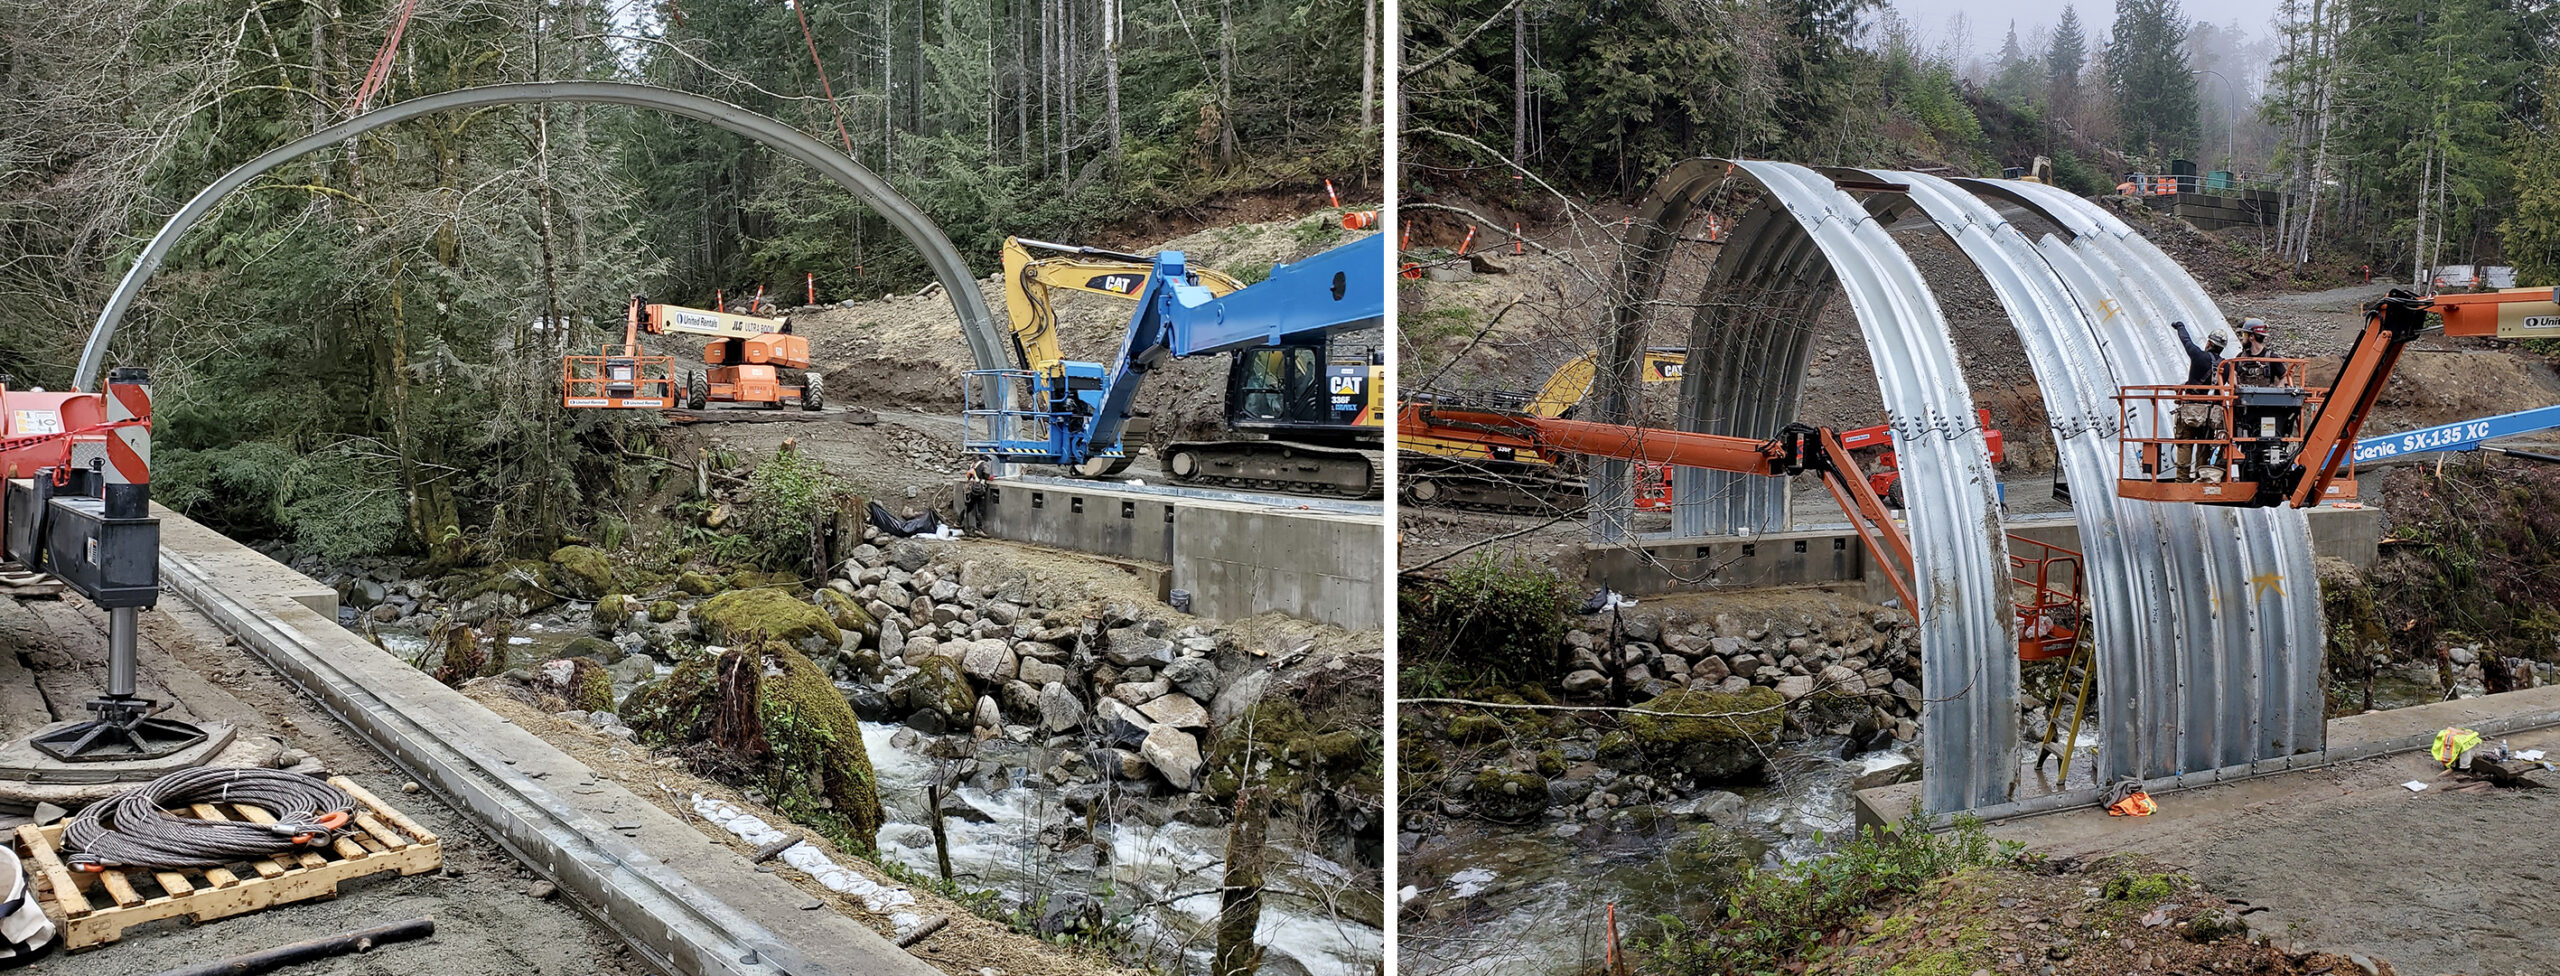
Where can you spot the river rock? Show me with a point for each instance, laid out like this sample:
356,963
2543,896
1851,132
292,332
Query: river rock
988,660
1121,724
1794,686
1127,764
587,573
1507,795
1177,710
1135,693
1059,709
1131,647
1710,669
1908,692
1021,698
1039,672
1715,737
1837,679
1175,754
893,639
1195,677
1885,770
1585,681
1239,698
987,715
1716,806
1643,627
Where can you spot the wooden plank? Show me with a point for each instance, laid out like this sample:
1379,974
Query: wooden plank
417,834
389,840
173,883
259,815
120,888
66,892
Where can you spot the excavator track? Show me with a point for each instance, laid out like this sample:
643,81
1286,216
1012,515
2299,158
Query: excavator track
1282,466
1470,487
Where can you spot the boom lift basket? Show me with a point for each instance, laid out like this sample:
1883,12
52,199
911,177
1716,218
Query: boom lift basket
2244,459
618,376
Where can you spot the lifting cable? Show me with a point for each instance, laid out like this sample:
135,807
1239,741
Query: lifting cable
380,73
134,829
800,7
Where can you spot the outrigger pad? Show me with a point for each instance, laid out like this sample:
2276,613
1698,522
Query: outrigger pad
124,729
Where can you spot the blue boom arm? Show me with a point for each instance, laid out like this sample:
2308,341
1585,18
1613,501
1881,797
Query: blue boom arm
1339,290
2463,436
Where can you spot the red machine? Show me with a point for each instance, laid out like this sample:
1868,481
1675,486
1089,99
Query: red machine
37,429
2282,441
1653,481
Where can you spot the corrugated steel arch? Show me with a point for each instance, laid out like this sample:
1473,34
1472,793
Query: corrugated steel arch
2244,680
1806,239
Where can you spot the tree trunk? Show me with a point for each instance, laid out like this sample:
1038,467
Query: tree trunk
1368,64
1519,87
1111,72
1226,84
1240,897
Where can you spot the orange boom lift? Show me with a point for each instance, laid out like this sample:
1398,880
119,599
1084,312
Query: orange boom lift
2046,590
744,360
2283,443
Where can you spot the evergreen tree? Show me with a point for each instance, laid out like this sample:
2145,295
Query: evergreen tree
2532,233
2013,76
2148,73
2063,60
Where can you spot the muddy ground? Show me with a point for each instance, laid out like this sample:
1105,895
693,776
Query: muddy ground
488,923
2452,879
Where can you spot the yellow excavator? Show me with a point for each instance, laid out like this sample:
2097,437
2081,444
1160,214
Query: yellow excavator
1496,473
1307,424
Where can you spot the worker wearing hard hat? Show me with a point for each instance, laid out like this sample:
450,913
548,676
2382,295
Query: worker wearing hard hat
2200,420
2256,365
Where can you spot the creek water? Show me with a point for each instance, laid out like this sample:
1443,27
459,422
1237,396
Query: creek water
1164,878
1537,898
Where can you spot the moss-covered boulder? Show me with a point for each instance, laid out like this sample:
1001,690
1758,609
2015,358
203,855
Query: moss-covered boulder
589,687
591,648
743,615
583,571
664,610
1275,744
1711,735
847,614
697,583
752,579
613,611
528,582
938,686
800,744
1507,795
1476,727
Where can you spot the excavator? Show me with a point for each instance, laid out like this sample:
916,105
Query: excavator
1457,468
2280,441
1310,423
1280,382
744,359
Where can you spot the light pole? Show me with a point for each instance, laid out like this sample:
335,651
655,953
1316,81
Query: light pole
2230,116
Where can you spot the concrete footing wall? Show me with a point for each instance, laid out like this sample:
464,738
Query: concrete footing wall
1655,566
1235,558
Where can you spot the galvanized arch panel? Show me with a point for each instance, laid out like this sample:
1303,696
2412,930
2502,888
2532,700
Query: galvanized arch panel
2244,683
2125,585
987,341
1824,240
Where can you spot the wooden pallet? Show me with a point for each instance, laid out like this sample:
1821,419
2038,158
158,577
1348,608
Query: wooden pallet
95,909
27,585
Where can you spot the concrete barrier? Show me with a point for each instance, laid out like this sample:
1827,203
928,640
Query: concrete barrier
685,904
1237,558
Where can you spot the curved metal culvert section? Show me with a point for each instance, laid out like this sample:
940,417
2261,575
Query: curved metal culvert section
986,340
2244,683
2118,538
1806,238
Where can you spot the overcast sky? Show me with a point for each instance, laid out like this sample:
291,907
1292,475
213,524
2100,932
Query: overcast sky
1989,19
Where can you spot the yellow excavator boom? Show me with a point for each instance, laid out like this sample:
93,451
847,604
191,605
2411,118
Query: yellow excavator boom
1028,279
1572,381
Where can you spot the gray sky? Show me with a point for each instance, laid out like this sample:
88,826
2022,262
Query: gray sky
1989,19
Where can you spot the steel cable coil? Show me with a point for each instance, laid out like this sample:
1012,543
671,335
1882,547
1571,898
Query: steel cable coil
133,828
